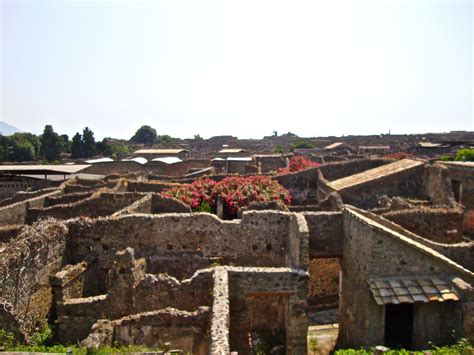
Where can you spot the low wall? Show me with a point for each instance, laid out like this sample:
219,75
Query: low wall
437,224
16,213
183,330
103,204
25,266
66,199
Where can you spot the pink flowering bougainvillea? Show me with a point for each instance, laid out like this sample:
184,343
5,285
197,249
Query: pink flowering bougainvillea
235,192
298,163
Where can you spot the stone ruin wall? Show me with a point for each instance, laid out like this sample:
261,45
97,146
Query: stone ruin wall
440,225
259,239
339,170
102,204
367,250
407,183
25,266
16,213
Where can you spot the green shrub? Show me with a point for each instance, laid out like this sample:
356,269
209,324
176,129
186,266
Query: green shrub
465,155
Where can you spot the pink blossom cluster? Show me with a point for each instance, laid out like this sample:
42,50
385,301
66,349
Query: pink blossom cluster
235,191
298,163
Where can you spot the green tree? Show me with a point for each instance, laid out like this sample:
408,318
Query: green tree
301,145
77,150
88,143
145,135
64,143
104,147
4,148
50,144
197,137
164,139
465,155
119,150
20,148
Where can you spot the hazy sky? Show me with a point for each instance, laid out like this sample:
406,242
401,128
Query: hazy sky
244,68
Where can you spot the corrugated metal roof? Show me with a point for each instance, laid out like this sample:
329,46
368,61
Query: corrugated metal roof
43,169
160,151
239,159
374,174
411,290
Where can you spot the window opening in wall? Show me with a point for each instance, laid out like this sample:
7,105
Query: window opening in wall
399,325
457,188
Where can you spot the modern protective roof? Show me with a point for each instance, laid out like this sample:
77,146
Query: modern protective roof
429,145
239,159
160,151
168,160
395,290
374,174
139,160
43,169
374,147
334,145
231,150
100,160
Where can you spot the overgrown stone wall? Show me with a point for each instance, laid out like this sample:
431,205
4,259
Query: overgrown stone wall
25,266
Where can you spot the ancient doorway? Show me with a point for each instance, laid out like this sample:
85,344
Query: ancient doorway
399,325
268,318
456,186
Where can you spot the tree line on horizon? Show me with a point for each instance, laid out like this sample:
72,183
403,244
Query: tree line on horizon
50,146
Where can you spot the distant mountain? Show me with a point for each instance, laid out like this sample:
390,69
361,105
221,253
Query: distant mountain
6,129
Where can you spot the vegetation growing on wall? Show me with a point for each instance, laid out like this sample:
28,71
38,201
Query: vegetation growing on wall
235,192
298,163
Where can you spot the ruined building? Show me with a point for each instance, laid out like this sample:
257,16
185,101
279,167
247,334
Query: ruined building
386,243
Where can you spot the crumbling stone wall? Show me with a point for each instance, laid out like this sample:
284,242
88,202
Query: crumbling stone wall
302,186
186,331
438,224
130,291
25,266
325,234
16,213
462,253
66,199
260,238
371,250
291,285
102,204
